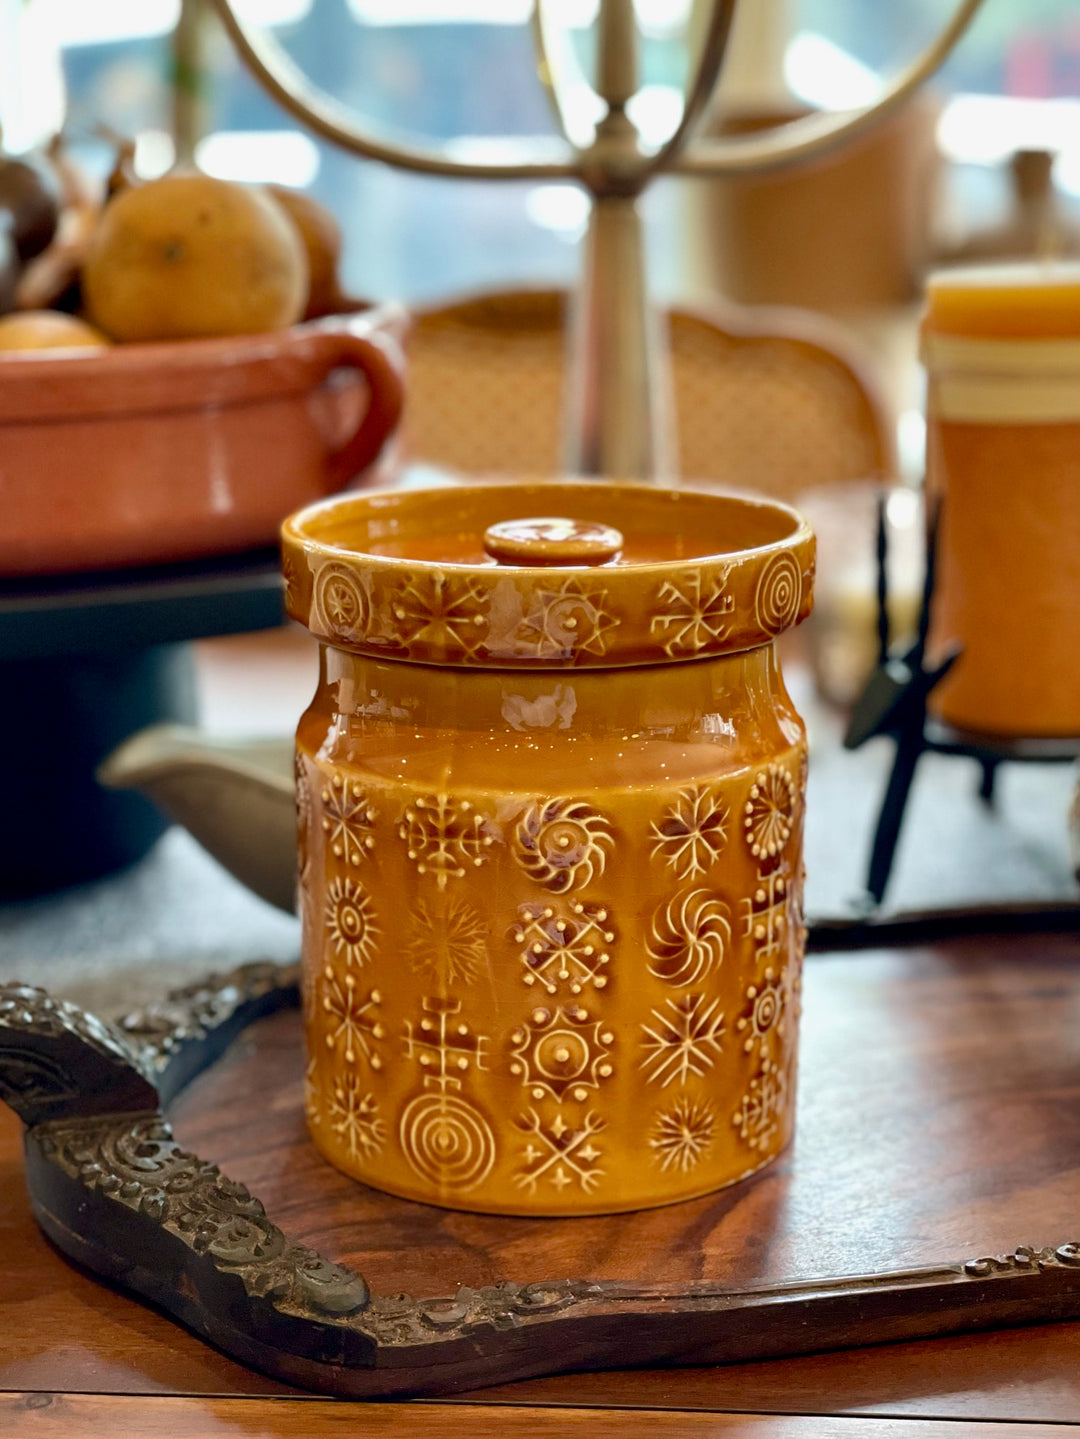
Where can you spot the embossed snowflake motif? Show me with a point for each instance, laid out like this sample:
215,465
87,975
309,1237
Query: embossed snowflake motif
561,1052
448,944
564,945
354,1116
569,620
693,614
765,1012
692,832
353,1024
769,812
681,1135
348,817
350,921
444,836
562,843
559,1154
684,1040
441,611
762,1106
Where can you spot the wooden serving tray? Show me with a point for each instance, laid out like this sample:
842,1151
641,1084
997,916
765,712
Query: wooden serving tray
935,1158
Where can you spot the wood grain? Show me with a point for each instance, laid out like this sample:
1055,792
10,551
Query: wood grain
935,1120
58,1416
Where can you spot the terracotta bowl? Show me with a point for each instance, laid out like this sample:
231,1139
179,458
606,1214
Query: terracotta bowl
143,454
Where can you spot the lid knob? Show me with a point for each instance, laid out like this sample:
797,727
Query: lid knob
550,540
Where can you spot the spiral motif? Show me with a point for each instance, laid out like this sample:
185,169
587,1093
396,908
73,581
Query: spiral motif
561,843
778,594
447,1141
690,935
339,605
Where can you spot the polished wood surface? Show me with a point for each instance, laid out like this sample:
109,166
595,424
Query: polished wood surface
48,1416
938,1095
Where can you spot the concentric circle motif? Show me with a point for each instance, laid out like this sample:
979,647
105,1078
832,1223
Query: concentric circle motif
339,607
447,1141
779,594
769,812
690,935
562,1055
562,843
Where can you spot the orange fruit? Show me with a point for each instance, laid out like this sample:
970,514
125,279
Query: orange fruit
321,235
190,255
47,330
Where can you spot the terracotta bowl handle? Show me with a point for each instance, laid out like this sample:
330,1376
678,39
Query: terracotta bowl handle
380,360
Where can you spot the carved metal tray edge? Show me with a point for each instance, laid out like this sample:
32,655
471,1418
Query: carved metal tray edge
116,1194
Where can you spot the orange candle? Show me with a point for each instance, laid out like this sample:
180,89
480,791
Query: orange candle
1001,346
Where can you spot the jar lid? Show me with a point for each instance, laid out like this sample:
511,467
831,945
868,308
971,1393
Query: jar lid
547,575
1015,300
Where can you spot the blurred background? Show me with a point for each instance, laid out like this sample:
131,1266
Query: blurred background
450,68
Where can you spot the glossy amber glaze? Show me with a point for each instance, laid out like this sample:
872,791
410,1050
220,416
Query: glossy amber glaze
1002,348
552,921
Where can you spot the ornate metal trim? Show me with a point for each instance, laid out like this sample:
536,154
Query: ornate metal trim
112,1189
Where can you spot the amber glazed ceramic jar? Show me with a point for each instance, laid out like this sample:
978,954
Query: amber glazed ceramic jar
1002,351
551,804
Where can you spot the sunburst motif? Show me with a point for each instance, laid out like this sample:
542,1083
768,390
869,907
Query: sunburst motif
681,1135
354,1116
769,812
566,621
350,921
692,832
448,944
348,817
684,1040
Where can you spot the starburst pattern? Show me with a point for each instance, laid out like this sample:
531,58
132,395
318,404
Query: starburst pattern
689,937
762,1106
562,843
440,612
561,622
449,944
564,944
444,836
693,614
684,1040
765,1011
348,818
692,832
350,921
353,1024
354,1116
681,1135
769,812
559,1154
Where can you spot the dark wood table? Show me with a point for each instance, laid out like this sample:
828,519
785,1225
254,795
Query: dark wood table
939,1095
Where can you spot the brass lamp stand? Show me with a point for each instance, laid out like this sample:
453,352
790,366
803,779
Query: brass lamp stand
616,423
